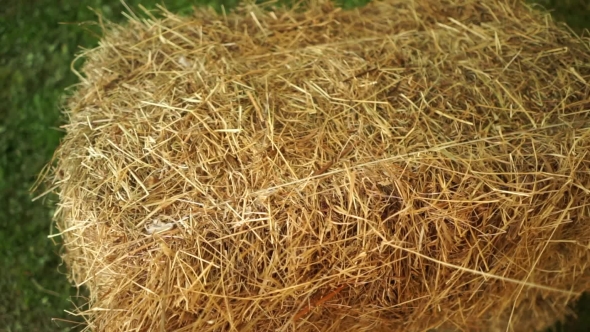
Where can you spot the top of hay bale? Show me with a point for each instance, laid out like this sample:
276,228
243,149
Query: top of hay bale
402,166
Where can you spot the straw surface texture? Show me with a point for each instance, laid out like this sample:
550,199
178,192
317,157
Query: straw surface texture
404,166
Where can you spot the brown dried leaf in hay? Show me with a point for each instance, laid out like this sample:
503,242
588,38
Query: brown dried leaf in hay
402,166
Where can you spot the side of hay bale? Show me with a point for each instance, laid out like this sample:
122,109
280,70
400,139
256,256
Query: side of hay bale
404,166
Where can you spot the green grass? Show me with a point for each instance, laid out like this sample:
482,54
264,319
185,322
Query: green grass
35,55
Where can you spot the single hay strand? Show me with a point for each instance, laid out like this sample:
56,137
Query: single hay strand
403,166
318,303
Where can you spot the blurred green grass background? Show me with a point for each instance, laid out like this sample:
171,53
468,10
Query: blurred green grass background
36,49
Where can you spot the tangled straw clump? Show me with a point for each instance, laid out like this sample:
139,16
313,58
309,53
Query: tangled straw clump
404,166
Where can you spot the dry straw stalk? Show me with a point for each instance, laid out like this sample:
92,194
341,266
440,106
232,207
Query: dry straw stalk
404,166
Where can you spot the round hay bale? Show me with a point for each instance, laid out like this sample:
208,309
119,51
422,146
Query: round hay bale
404,166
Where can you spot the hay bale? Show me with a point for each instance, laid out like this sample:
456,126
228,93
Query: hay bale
404,166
